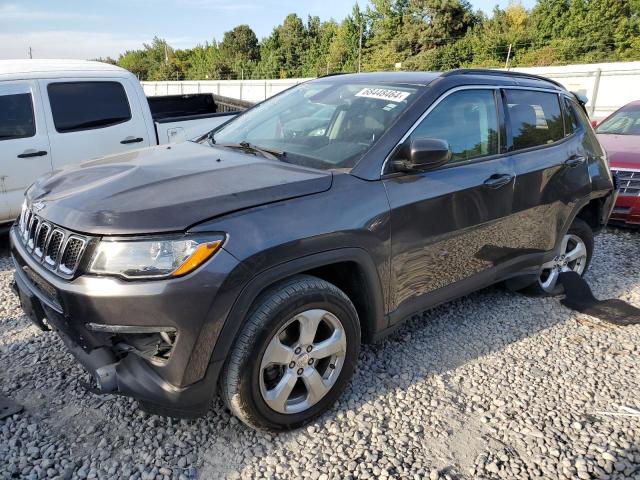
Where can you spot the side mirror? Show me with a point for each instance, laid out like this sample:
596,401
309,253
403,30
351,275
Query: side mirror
421,154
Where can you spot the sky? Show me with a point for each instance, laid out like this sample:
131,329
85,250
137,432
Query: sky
88,29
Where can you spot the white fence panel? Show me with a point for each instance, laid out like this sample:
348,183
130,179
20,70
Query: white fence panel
607,85
250,90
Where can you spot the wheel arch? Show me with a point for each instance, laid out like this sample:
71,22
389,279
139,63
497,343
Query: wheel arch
591,213
350,269
591,210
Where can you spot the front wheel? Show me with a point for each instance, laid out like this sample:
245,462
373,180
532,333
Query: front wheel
294,355
576,250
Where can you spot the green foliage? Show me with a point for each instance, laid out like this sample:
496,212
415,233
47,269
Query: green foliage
417,34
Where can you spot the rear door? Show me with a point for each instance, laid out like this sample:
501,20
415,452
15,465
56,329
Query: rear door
92,118
24,145
451,224
550,165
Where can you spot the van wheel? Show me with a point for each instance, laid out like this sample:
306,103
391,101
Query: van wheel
294,356
576,250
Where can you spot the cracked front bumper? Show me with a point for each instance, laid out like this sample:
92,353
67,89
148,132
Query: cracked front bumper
181,386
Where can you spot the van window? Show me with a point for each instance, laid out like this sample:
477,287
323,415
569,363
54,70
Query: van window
534,118
468,120
87,105
16,116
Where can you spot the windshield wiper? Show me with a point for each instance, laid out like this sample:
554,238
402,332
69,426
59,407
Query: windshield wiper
265,152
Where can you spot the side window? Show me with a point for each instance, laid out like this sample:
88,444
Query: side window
16,116
468,120
589,140
570,119
534,118
86,105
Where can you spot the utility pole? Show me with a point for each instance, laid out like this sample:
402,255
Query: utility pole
506,65
360,42
30,52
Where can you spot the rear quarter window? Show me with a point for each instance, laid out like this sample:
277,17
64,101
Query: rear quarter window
79,106
16,116
571,122
534,118
589,139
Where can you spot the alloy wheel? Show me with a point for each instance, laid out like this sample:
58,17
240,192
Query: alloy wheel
572,258
302,361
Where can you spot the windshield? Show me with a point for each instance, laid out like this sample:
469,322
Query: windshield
326,125
624,122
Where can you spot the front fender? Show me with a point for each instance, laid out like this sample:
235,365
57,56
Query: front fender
234,321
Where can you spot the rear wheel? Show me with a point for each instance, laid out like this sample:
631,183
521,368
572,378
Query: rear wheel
576,250
294,356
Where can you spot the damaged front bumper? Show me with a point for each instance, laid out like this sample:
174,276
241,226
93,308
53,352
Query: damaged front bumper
151,340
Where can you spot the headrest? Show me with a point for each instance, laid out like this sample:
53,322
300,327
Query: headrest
522,113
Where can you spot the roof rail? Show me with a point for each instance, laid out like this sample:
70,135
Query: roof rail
332,74
483,71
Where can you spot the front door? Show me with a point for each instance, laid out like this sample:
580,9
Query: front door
24,144
452,224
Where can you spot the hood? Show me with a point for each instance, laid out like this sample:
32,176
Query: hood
623,151
167,188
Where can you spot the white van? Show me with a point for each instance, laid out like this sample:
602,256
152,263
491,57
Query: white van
58,112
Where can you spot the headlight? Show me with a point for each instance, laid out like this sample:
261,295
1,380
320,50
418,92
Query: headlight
153,258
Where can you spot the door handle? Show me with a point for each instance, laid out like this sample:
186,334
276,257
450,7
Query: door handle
132,140
32,153
574,161
498,180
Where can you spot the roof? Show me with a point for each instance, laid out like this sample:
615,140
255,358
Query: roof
413,78
27,68
425,78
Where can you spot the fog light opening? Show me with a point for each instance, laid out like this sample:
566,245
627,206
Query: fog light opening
154,344
155,347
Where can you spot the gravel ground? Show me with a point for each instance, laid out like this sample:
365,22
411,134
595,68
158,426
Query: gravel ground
495,385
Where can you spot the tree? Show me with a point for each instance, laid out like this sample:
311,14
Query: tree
343,50
293,44
320,36
384,46
549,19
420,34
431,23
136,62
239,49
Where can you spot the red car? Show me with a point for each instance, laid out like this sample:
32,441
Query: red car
619,134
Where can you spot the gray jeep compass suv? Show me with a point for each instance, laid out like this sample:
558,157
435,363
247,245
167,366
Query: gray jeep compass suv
254,261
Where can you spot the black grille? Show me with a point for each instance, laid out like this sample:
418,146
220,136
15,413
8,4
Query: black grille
71,255
41,238
59,249
628,182
33,229
53,249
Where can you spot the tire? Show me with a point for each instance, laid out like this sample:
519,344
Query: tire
578,231
257,368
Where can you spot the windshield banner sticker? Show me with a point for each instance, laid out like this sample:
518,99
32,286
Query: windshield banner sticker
383,94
